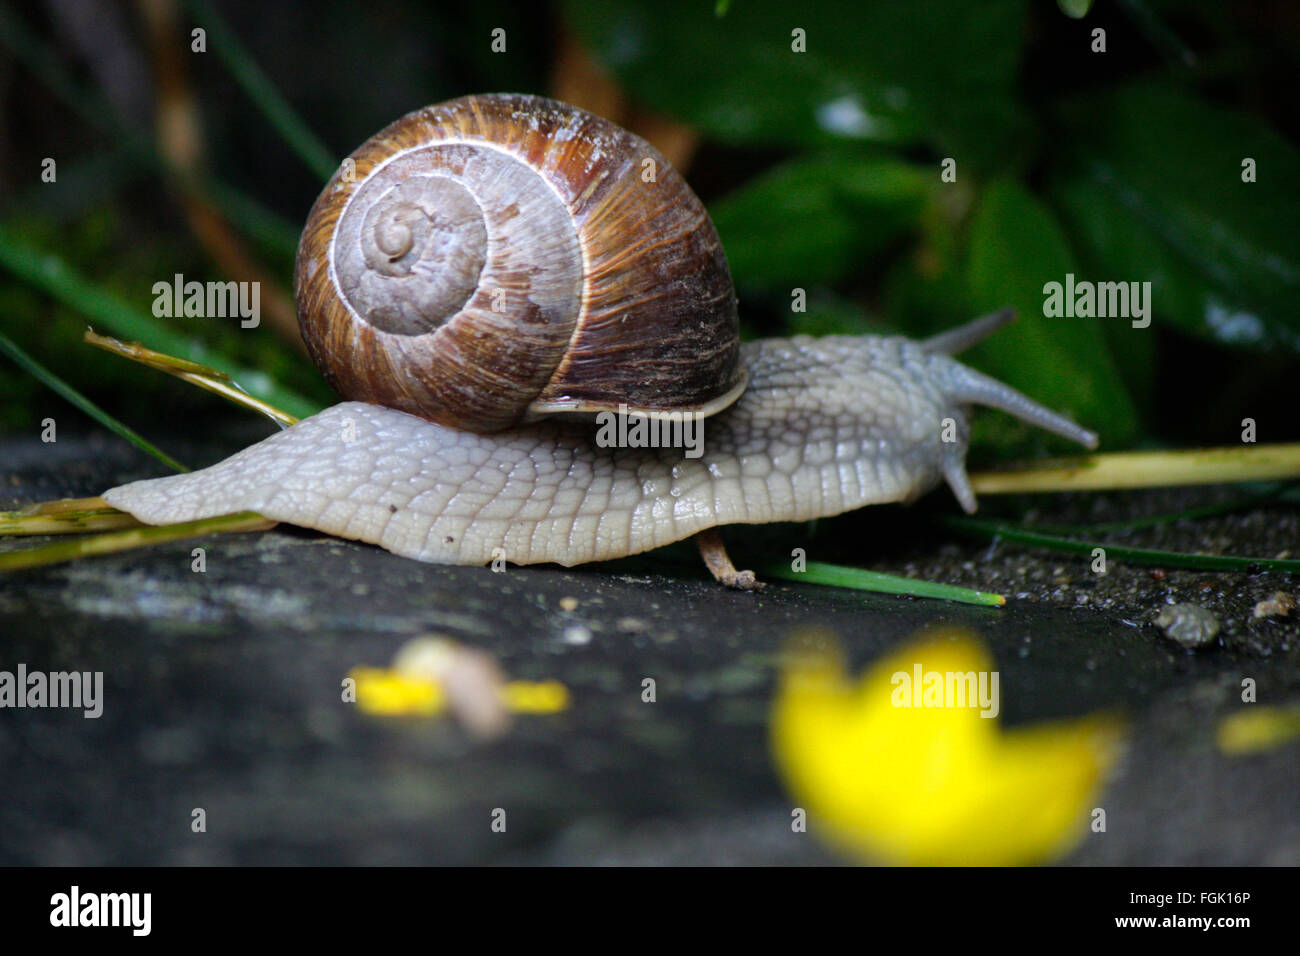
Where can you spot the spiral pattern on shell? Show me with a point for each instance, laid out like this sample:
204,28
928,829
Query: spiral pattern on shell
499,258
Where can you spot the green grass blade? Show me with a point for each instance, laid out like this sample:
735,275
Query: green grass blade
114,541
54,276
1274,492
209,379
243,67
36,56
842,576
682,558
64,516
49,379
271,229
982,528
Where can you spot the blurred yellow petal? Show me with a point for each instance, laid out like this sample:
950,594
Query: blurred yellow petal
911,766
388,693
541,697
392,693
1257,729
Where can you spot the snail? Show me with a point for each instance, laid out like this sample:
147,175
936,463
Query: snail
483,277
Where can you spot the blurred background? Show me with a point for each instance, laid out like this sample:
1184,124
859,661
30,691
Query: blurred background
1115,156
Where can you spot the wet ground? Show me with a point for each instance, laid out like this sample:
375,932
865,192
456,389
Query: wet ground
222,688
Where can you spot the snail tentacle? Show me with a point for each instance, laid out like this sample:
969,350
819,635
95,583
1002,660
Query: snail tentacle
970,386
973,332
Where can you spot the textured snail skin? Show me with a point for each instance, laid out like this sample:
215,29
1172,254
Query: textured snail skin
826,425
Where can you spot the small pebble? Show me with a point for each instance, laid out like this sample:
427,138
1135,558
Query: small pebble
577,634
1189,624
471,679
568,604
1279,605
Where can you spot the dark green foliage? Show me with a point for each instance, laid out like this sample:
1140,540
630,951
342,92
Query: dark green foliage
822,169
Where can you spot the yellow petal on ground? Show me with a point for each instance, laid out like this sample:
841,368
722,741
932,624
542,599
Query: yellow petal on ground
388,693
1258,729
886,776
542,697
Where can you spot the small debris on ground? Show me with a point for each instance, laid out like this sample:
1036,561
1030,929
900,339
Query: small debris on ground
1279,605
1189,624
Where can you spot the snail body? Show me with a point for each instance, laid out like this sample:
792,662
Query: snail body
825,426
485,274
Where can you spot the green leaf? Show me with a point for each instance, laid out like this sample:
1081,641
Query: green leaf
926,292
1016,248
872,70
1155,193
814,220
1076,9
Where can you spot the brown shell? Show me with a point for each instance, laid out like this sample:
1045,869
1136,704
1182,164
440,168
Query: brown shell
497,258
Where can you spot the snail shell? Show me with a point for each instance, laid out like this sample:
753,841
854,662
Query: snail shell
499,258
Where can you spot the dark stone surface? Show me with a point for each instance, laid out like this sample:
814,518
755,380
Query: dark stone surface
222,692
